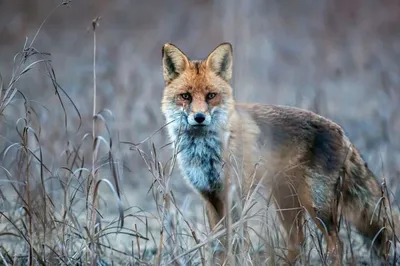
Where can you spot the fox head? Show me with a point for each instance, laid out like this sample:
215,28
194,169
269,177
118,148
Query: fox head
197,95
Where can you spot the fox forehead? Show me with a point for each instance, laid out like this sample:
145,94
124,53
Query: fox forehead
196,79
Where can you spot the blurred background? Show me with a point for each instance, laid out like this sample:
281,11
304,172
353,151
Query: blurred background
339,58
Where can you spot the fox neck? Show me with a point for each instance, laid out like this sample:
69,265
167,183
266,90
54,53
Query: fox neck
199,154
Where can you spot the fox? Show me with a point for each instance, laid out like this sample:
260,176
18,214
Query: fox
304,159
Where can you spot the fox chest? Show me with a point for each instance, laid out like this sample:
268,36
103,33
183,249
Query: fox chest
200,161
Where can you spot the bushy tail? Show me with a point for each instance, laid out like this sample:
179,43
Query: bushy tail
366,204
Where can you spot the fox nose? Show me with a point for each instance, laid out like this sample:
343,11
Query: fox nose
199,118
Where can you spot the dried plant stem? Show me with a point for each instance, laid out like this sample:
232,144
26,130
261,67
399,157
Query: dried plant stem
162,233
28,196
93,179
93,171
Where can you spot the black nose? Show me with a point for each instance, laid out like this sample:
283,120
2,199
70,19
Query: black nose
199,118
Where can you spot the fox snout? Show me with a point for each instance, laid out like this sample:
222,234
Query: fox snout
199,119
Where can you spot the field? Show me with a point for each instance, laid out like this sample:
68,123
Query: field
86,169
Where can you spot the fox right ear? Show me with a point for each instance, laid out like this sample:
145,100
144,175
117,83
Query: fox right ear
174,62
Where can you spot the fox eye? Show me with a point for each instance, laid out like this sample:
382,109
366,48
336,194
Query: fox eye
211,95
185,96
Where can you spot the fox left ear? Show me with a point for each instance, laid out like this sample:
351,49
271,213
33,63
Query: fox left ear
220,61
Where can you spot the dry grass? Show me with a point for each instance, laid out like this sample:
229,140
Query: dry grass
56,214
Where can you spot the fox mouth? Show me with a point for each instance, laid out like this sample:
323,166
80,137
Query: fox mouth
199,128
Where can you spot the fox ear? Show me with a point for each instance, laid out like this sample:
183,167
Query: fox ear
220,61
174,62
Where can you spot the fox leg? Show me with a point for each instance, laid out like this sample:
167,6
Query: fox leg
330,232
215,213
334,244
319,200
215,208
291,215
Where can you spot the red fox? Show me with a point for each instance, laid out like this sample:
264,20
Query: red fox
302,157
